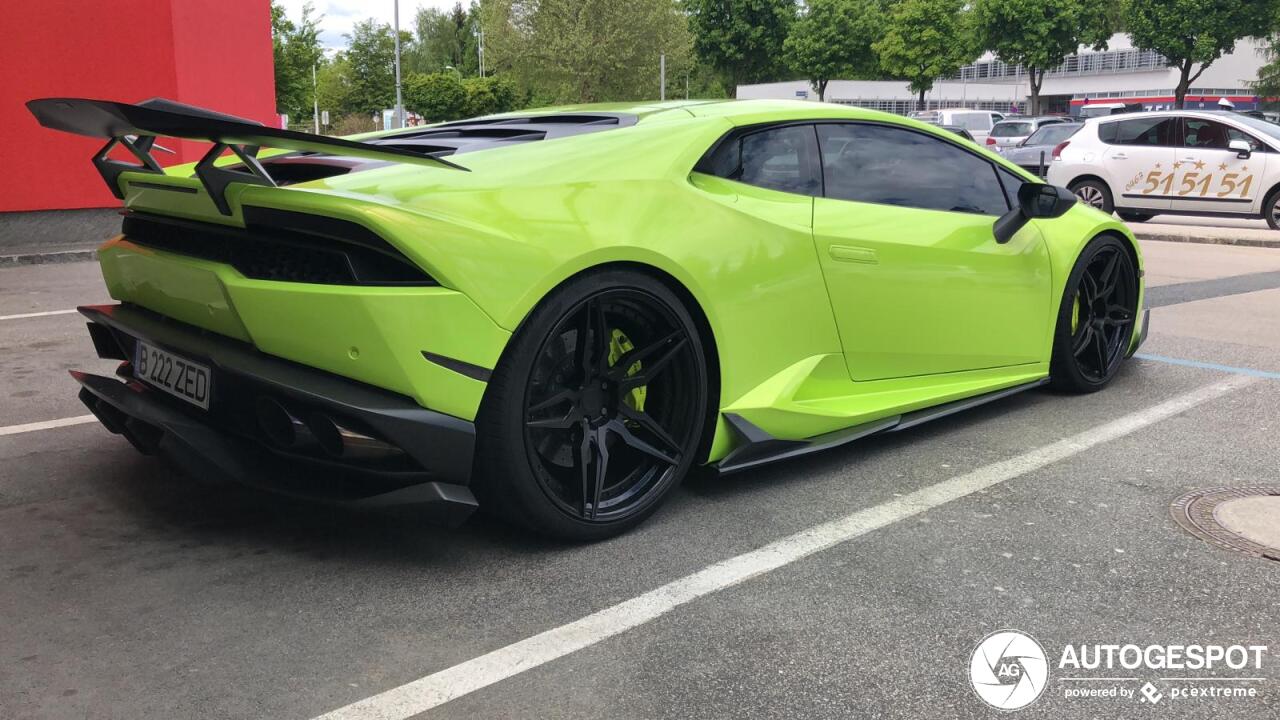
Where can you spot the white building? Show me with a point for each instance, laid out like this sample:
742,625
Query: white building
1121,73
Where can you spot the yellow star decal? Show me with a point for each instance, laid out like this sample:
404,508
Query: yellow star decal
1199,164
1222,166
1175,165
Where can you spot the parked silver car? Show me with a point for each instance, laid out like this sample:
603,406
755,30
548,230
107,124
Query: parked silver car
1039,147
1012,131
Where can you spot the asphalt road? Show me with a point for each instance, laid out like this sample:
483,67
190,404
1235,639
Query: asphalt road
129,592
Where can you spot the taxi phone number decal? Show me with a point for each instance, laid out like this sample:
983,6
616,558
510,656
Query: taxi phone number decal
1193,182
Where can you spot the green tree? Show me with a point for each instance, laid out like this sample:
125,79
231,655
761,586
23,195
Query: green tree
444,38
1268,83
833,39
584,50
296,50
370,55
333,86
742,38
437,97
489,95
1039,34
925,40
1192,34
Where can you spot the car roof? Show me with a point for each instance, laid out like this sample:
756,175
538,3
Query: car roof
1207,114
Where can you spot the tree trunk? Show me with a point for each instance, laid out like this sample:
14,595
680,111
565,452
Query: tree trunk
920,102
1184,81
1035,81
822,90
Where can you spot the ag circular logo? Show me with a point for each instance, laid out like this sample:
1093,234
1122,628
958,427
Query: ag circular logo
1008,670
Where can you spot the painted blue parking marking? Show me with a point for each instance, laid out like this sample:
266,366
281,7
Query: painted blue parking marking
1211,366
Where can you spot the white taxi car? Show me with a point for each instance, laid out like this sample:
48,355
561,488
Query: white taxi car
1182,162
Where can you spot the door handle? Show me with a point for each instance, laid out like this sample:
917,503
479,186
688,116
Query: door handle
1119,156
846,253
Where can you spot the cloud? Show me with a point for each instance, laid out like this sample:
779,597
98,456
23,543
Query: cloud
340,16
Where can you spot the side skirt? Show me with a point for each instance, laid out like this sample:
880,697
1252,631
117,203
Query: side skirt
758,447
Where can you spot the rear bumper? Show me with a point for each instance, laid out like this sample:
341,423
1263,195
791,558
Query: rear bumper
430,464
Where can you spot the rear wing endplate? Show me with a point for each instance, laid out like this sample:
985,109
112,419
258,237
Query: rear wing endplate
136,127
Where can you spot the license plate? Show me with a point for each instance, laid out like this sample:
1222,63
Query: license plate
174,374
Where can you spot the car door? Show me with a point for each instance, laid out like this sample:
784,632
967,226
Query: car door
918,283
1211,177
1137,159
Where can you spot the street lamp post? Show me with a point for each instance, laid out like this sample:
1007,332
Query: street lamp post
399,111
315,99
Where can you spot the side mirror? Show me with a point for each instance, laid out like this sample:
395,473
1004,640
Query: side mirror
1035,200
1242,147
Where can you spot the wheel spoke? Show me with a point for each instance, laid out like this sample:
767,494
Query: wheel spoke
602,467
1081,341
584,464
1100,344
559,422
631,439
670,347
557,398
646,421
1088,287
1107,279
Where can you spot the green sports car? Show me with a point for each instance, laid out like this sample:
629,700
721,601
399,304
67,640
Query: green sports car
556,314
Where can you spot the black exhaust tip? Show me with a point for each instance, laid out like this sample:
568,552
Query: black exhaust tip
282,428
339,441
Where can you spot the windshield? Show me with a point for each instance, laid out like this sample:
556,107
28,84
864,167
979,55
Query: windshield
1011,129
1272,131
1052,134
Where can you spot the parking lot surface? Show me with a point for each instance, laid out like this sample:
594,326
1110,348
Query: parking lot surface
854,583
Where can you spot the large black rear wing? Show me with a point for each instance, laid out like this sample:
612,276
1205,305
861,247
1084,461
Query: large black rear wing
136,127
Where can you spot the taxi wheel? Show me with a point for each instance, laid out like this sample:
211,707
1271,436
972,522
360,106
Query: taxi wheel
1094,193
1271,209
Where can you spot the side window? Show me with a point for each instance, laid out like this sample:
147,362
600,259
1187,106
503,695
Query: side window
1199,133
1139,131
1011,183
783,158
892,166
1255,144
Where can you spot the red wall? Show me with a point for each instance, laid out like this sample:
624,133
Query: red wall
215,53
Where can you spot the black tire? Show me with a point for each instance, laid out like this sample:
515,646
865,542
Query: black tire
1094,193
551,406
1271,209
1088,349
1134,217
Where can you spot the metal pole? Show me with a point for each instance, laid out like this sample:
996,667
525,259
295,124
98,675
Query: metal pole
662,72
480,51
315,96
399,112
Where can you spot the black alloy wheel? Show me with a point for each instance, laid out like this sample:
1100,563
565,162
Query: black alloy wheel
611,406
1097,318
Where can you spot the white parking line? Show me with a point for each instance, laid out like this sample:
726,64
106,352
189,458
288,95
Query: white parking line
438,688
46,425
46,313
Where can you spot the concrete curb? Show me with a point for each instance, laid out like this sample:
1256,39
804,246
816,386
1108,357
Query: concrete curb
47,258
1207,240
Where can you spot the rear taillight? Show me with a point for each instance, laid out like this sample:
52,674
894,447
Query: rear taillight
991,140
1057,149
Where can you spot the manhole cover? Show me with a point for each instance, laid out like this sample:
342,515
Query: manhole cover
1244,519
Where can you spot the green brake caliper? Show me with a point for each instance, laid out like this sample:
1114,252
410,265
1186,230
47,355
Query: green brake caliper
1075,315
619,345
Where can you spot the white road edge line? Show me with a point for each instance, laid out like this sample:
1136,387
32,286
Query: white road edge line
46,313
439,688
46,425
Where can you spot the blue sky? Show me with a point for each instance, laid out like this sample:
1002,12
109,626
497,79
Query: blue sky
341,15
